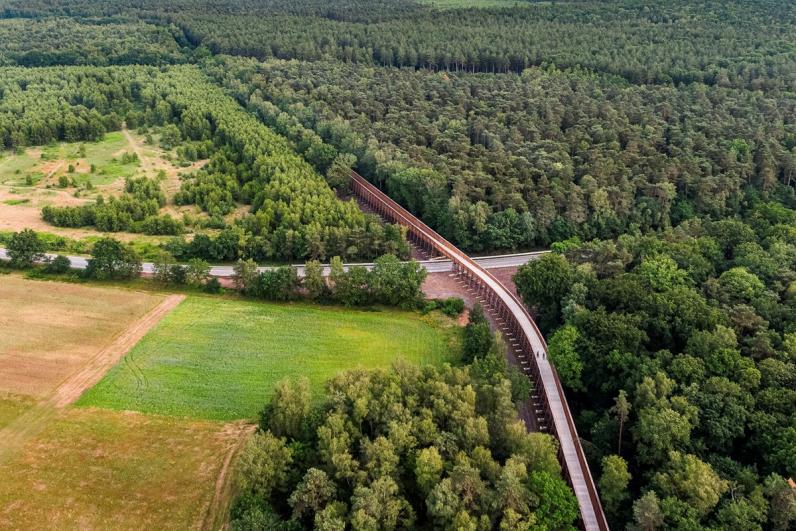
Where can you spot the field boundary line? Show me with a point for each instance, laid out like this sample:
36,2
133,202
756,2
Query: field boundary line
31,422
95,369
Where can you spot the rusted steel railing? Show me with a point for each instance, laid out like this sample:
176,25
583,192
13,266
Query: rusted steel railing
521,330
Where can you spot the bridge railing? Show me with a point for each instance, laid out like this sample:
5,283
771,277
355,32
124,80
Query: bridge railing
521,326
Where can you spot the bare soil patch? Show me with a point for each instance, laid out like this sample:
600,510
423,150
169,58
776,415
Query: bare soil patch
506,276
443,285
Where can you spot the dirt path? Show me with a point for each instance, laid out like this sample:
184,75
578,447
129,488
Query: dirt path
30,423
219,505
133,144
55,169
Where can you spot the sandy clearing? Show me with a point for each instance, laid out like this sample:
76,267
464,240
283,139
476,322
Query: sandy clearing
28,216
153,161
131,141
49,168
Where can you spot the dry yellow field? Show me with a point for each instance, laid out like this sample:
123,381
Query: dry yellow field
100,469
87,468
51,330
11,407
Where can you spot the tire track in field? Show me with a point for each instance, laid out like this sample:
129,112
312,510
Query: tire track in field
140,378
215,512
34,420
92,372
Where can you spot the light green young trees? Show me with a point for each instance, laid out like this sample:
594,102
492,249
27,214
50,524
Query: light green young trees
613,483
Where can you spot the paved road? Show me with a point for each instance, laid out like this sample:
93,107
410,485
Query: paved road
432,266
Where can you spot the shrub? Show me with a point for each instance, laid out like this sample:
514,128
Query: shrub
478,337
429,306
58,265
452,306
177,274
279,284
212,285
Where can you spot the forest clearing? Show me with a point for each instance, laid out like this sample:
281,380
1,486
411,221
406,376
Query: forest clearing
77,173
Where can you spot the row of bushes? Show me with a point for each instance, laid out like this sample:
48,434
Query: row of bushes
390,282
110,259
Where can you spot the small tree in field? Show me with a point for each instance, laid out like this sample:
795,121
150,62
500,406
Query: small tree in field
25,248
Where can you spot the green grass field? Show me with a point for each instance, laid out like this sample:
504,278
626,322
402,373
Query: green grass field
14,167
219,359
104,155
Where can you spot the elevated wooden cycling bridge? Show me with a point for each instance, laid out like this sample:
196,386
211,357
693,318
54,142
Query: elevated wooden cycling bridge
521,334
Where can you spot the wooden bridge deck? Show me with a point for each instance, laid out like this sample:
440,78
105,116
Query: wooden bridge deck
522,336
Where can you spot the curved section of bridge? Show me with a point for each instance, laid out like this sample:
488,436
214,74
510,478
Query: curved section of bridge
524,338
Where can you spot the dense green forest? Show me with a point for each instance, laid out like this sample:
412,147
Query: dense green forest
409,448
700,40
64,41
510,161
651,144
742,44
679,352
